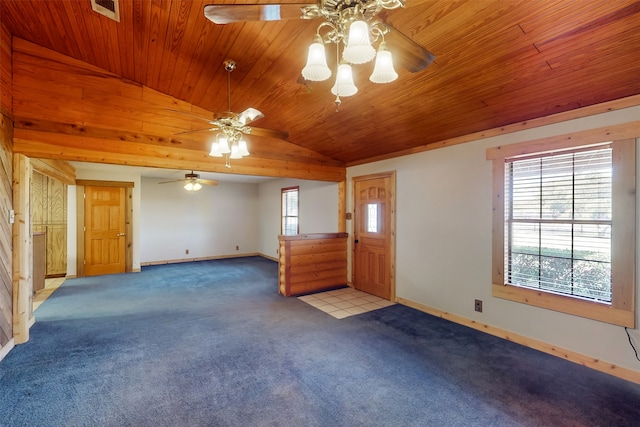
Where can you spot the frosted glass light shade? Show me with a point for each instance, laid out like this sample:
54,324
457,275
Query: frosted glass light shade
358,49
235,152
224,144
192,186
316,69
344,85
242,146
215,150
383,71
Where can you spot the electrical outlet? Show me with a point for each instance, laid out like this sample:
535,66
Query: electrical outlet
478,305
237,248
186,251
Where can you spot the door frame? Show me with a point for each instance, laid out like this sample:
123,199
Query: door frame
128,207
392,227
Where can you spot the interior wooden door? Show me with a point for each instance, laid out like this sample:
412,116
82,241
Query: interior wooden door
374,208
105,226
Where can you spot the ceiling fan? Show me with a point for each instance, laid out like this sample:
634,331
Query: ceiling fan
232,126
338,16
192,181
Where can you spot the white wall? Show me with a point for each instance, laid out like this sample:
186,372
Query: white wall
209,222
318,210
167,220
443,243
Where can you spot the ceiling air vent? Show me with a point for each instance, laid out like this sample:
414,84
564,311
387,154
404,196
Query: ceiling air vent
108,8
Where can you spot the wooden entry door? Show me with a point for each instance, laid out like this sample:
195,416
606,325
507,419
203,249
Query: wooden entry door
374,231
105,226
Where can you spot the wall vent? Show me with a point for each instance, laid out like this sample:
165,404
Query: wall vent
108,8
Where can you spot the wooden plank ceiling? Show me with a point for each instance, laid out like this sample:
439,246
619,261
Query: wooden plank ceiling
498,62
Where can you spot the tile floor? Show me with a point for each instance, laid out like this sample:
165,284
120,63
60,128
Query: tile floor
345,302
50,286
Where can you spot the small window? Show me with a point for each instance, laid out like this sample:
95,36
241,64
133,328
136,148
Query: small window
290,224
372,218
564,228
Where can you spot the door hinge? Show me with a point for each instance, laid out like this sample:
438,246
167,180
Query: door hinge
84,228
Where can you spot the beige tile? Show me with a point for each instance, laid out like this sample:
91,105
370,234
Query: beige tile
347,297
340,314
360,294
343,304
328,308
372,298
317,303
332,300
359,301
356,310
307,298
370,306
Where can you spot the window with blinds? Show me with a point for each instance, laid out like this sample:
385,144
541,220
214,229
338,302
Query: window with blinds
558,216
290,211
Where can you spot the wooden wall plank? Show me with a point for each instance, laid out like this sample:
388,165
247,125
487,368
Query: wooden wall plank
22,250
6,256
56,169
312,262
6,72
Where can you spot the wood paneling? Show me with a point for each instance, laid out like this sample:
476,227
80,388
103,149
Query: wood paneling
106,119
6,204
311,262
22,250
497,63
6,97
49,215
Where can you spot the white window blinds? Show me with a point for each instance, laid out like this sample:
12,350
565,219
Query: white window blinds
558,223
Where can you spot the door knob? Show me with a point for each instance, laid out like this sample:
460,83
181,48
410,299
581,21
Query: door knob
121,234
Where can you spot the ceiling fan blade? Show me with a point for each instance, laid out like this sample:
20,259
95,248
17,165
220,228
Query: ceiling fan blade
207,181
229,13
250,115
407,53
189,114
168,182
195,130
269,133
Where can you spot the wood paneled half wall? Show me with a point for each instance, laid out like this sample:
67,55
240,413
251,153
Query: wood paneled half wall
312,262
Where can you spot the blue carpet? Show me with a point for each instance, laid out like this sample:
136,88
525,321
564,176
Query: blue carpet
212,344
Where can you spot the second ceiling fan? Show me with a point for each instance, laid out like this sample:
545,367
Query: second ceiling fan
229,142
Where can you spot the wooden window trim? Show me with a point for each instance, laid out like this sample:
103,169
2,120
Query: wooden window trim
621,310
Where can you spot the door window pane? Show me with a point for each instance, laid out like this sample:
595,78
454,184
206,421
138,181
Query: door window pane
372,218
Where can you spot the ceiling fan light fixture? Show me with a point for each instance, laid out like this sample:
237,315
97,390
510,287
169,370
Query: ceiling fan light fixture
192,186
344,85
223,143
242,145
215,150
235,152
383,71
316,69
358,49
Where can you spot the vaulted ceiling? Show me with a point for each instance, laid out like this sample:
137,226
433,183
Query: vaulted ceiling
498,62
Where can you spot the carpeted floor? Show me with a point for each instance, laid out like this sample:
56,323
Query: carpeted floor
212,344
